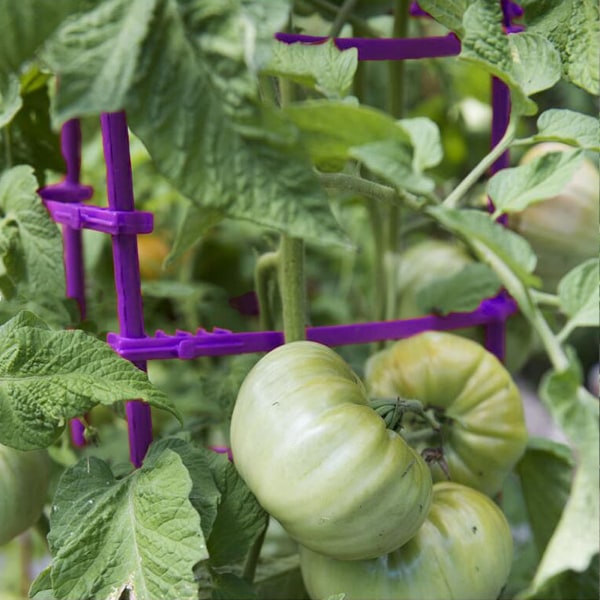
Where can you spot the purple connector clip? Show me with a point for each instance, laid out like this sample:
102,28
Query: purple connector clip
386,48
220,342
114,222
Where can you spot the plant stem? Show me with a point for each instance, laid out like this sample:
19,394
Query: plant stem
25,559
342,16
379,271
360,25
369,189
545,298
291,287
530,310
266,268
251,562
486,162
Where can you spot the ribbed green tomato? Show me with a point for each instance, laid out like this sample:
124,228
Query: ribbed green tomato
475,399
463,551
320,460
24,479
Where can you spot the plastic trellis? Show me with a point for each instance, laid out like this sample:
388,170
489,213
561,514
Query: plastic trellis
65,202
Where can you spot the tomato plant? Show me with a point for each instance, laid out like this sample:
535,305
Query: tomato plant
481,422
295,184
320,460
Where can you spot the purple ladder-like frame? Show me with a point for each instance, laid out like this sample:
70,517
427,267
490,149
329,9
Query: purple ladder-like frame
124,223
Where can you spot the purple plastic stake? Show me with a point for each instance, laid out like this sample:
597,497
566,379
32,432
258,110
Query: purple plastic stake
386,48
70,143
119,184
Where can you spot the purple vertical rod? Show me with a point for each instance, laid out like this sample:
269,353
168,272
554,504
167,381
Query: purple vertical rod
70,143
495,331
119,184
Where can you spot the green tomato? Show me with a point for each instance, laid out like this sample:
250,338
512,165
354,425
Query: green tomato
463,551
320,460
563,229
24,479
422,264
483,430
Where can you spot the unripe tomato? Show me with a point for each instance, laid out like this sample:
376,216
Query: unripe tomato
152,251
463,551
24,479
479,407
320,460
562,230
422,264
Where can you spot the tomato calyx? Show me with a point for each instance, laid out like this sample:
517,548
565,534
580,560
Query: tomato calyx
394,411
417,424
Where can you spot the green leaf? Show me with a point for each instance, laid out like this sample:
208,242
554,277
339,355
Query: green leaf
204,495
41,588
194,223
229,586
526,62
514,189
576,411
48,377
10,99
25,26
573,27
426,141
392,161
579,296
322,67
138,533
570,127
449,14
187,80
30,242
330,129
546,473
461,292
240,519
474,225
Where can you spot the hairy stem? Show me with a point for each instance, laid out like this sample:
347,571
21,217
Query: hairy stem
251,562
291,287
486,162
264,273
342,17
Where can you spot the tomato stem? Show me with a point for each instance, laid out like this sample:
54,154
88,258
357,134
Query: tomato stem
249,569
265,273
291,287
486,162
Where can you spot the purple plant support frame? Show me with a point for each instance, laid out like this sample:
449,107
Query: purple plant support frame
65,193
123,223
119,184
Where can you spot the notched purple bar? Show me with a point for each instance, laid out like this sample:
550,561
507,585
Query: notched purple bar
219,342
66,191
386,48
114,222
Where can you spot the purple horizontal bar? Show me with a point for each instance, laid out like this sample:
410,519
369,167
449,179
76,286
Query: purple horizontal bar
185,345
386,48
114,222
67,191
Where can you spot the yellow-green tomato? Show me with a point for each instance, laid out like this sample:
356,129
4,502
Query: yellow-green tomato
321,461
483,431
24,479
463,551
